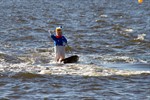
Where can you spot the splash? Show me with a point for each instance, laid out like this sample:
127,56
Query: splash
86,70
140,37
128,30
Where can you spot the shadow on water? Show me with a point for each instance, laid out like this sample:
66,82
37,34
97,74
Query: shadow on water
48,87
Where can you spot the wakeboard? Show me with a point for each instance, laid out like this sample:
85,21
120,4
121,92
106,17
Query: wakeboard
71,59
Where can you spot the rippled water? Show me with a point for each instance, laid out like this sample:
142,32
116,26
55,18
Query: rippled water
75,87
110,36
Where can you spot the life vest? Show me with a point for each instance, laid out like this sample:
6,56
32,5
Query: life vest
59,40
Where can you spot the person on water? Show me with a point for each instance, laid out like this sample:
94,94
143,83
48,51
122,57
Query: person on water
59,44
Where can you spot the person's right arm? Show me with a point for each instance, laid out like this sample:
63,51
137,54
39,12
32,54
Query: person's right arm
52,35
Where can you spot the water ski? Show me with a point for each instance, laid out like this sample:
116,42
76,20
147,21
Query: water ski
71,59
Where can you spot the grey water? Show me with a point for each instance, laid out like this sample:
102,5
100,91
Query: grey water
114,34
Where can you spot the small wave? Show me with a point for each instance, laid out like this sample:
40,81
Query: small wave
26,75
9,58
86,70
128,30
119,59
104,16
140,37
20,19
23,38
30,70
114,59
40,30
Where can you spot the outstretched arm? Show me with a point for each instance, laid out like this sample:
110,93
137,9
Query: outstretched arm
49,31
51,35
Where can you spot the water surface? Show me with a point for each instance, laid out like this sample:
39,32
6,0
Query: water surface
110,36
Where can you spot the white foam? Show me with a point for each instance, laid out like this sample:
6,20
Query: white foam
86,70
128,30
140,37
104,16
76,69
